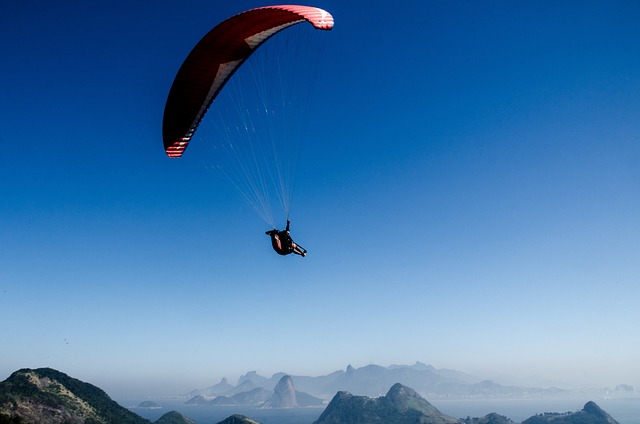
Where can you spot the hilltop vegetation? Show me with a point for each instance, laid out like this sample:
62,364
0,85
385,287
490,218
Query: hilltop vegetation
46,396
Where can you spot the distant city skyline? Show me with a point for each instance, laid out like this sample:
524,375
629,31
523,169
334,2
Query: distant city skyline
468,191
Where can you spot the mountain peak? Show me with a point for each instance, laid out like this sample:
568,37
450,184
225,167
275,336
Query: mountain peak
594,410
591,413
46,396
398,391
238,419
421,366
401,405
404,398
284,394
174,417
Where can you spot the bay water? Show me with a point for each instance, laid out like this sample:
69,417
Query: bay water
625,411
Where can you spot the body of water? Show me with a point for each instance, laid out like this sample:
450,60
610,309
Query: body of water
215,414
625,411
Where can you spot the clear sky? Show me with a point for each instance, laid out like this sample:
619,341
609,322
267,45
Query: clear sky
471,201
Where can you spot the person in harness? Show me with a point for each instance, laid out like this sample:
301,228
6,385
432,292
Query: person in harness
283,243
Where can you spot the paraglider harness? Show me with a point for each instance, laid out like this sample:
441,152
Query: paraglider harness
283,243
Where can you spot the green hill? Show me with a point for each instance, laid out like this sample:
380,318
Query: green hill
401,405
238,419
174,417
590,414
47,396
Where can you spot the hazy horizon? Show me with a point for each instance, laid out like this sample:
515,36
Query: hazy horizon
158,386
468,191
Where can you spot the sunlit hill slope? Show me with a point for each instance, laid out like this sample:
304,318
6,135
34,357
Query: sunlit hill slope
47,396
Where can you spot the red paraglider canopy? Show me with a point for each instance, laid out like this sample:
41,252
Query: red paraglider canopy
215,58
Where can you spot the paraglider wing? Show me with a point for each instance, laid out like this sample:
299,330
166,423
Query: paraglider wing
215,58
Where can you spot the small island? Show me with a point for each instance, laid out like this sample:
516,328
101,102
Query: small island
149,404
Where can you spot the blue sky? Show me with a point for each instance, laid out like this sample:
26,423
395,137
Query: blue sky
471,200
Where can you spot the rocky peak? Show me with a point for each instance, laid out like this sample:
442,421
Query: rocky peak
284,394
401,405
404,398
398,392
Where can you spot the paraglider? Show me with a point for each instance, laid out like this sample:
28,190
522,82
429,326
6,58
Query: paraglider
208,68
283,244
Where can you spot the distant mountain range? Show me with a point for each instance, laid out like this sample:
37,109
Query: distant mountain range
47,396
283,395
374,380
